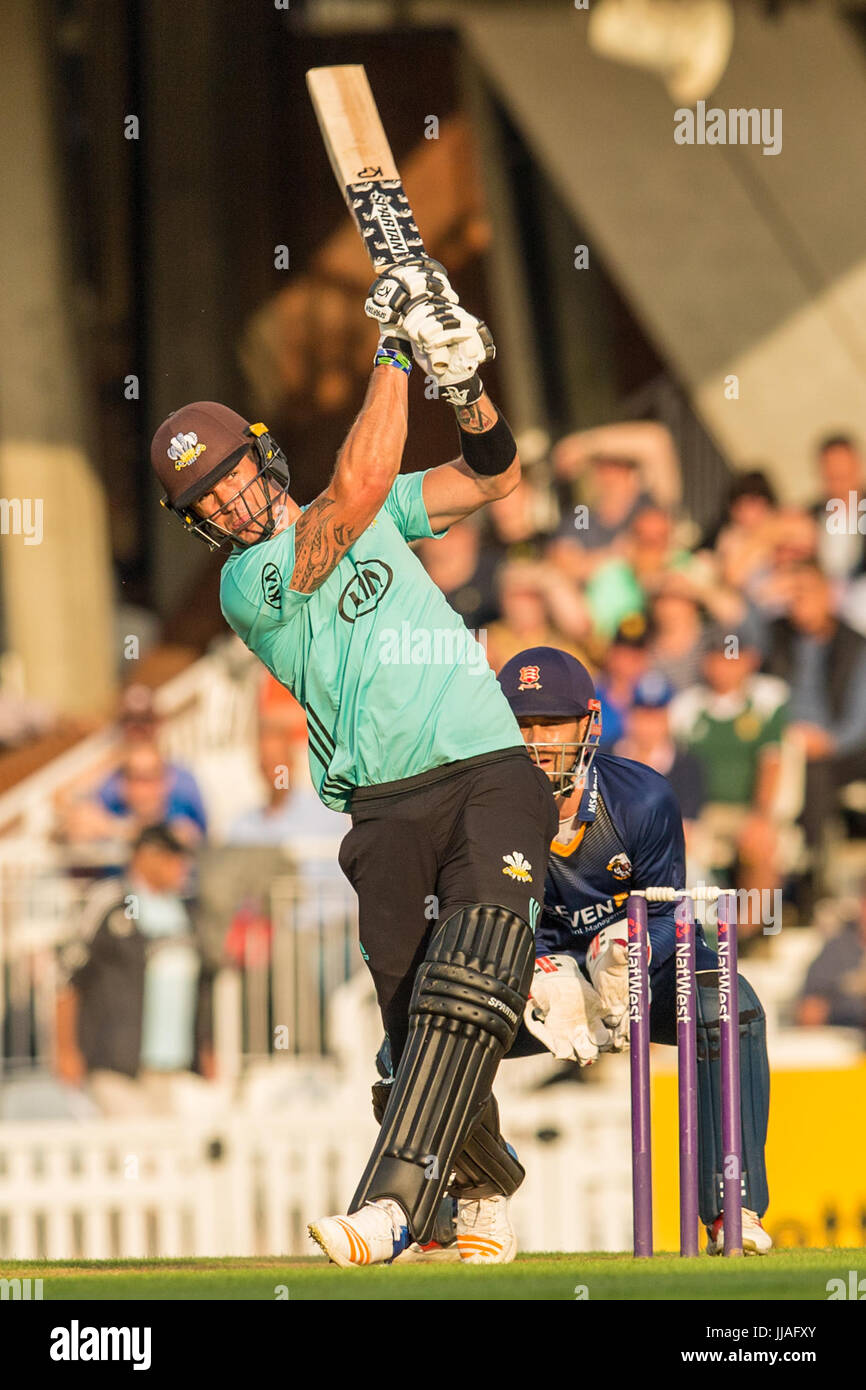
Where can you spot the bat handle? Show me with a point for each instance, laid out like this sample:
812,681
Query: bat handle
439,360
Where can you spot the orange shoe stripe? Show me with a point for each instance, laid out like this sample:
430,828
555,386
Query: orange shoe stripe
354,1251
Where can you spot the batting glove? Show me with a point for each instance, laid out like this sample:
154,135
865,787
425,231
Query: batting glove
607,963
449,344
403,285
564,1012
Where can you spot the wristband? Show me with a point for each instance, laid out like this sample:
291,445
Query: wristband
465,393
489,453
390,357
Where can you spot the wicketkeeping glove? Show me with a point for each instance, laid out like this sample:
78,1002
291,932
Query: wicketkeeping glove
564,1012
607,963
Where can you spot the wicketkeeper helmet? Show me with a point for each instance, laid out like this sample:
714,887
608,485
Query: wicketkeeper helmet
545,683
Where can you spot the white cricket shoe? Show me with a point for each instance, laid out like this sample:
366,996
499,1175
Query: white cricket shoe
374,1235
756,1241
442,1246
484,1234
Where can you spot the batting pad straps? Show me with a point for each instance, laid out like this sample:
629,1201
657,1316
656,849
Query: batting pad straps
463,1016
485,1166
489,453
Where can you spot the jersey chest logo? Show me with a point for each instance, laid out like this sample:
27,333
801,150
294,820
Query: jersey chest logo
272,585
620,866
369,584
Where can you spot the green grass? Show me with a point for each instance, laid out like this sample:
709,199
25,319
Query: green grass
785,1274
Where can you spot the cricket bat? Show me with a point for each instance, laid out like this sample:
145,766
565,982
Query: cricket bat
364,166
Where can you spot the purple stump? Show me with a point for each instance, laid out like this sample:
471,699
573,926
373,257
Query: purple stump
639,1037
729,1039
687,1072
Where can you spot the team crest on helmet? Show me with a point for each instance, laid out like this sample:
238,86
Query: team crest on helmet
517,866
529,678
620,866
185,449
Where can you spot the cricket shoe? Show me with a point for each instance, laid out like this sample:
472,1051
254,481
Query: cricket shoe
756,1241
484,1233
442,1247
376,1234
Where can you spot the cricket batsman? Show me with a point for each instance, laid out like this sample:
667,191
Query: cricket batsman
451,818
620,827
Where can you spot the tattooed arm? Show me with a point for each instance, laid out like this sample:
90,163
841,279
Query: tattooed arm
367,465
454,489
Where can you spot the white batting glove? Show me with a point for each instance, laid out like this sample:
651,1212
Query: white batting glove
404,284
607,963
448,342
564,1012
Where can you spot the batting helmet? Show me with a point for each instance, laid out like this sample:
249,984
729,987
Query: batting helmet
195,448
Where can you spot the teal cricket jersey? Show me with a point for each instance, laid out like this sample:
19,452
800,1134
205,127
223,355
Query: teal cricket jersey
392,681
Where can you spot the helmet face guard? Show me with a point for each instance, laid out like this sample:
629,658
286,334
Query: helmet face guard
273,469
572,761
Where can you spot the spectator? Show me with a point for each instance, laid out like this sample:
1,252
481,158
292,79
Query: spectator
592,534
642,447
521,523
841,553
539,609
144,792
733,721
133,1015
647,557
625,661
823,661
648,739
794,542
465,571
834,994
139,725
288,815
745,542
677,621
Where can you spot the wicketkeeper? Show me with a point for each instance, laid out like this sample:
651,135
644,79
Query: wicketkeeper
620,827
451,819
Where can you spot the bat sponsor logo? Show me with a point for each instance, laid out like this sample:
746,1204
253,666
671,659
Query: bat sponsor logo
503,1008
385,215
371,581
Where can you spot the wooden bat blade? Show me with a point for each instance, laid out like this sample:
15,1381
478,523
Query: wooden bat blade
350,124
363,164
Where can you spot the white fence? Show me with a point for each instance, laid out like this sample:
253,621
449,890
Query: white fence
248,1185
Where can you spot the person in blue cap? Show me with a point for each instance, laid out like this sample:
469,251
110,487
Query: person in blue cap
647,738
620,827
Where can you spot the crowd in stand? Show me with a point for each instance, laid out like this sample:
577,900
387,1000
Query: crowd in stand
732,662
